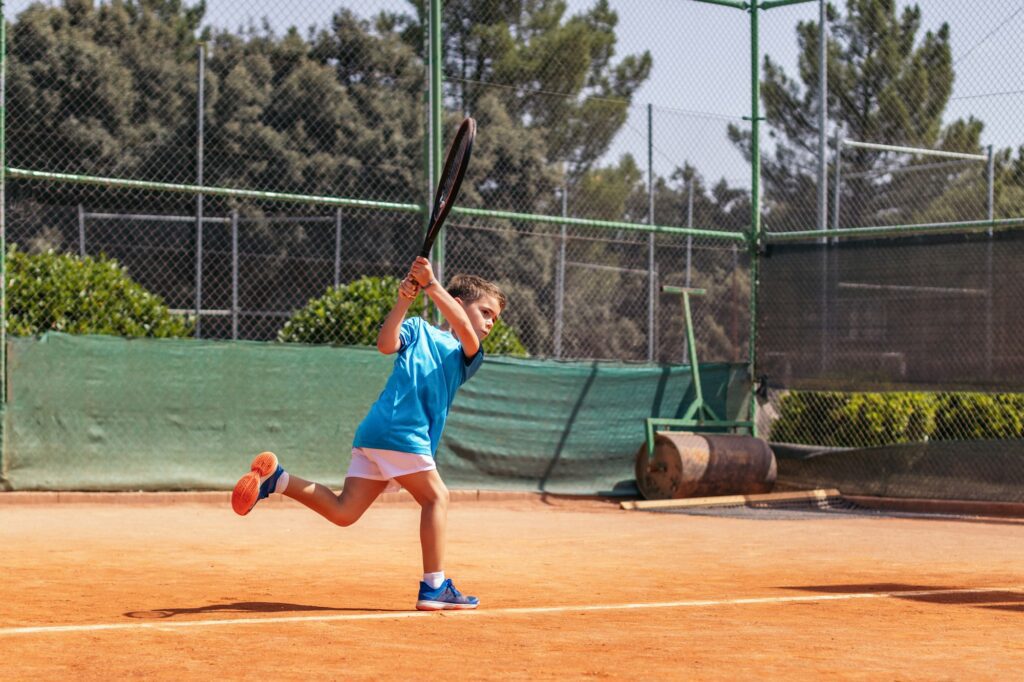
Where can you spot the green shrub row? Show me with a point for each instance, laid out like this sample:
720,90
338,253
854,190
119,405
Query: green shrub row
61,292
872,419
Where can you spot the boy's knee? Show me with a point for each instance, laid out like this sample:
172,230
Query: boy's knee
437,496
344,519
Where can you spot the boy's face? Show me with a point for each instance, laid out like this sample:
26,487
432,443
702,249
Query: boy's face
483,313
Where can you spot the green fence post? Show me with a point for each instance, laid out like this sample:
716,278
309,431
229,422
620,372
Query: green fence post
436,133
755,197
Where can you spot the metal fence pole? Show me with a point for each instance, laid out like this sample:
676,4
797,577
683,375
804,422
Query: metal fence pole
835,190
337,248
234,274
822,118
991,181
652,276
689,258
81,231
755,236
560,278
436,121
827,256
737,343
199,197
989,316
689,237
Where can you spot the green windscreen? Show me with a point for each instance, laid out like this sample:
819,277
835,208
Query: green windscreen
105,413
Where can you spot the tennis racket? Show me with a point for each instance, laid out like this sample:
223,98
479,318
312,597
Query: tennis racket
448,185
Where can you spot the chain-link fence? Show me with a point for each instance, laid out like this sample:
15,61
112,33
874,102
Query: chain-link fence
309,127
342,112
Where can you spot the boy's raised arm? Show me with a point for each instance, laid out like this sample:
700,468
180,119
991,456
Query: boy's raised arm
388,340
453,312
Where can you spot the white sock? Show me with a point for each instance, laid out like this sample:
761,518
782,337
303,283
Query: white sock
282,482
434,579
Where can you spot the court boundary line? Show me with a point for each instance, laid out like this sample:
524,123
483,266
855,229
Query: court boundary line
523,610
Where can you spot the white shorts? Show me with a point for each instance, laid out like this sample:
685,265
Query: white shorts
386,465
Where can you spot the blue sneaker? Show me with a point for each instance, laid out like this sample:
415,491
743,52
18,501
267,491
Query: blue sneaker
257,484
443,598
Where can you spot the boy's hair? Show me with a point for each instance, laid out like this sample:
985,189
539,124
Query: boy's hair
470,288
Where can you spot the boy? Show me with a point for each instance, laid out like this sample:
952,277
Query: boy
395,444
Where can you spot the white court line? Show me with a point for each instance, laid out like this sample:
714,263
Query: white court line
499,612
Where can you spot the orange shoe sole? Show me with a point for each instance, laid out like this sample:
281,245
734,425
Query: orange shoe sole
247,490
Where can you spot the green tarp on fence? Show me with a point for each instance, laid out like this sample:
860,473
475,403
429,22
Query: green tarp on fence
105,413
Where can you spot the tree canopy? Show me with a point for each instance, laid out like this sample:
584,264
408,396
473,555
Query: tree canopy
888,83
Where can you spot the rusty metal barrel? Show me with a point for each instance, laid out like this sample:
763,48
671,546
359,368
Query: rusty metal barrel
704,464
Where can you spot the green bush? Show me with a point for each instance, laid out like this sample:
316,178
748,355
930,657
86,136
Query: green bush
979,416
855,419
352,314
871,419
59,292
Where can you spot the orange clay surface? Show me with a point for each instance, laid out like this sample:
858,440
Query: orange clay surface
179,587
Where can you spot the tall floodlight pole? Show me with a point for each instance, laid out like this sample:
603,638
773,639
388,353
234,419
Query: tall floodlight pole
756,171
755,198
754,237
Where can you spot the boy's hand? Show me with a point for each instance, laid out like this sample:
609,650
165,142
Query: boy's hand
422,272
409,289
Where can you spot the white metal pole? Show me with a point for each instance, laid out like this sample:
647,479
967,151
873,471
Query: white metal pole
835,189
651,280
199,197
560,278
822,118
234,274
337,247
81,231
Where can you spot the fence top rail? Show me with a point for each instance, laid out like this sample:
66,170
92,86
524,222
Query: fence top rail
122,183
913,150
897,230
882,172
610,224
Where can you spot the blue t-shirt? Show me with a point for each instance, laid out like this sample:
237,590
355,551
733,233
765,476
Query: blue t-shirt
410,413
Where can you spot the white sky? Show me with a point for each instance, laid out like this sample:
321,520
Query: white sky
701,76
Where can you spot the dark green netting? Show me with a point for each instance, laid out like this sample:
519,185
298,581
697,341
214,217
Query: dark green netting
927,312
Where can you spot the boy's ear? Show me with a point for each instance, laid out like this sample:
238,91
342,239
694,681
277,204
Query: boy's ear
460,301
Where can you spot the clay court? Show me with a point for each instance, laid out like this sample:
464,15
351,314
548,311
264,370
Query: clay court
172,586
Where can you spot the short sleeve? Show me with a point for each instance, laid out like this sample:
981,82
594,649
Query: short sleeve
473,364
408,331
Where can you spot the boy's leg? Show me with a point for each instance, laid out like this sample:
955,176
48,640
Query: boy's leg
344,509
430,491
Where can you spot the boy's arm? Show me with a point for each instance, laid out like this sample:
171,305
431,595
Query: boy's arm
452,310
388,340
